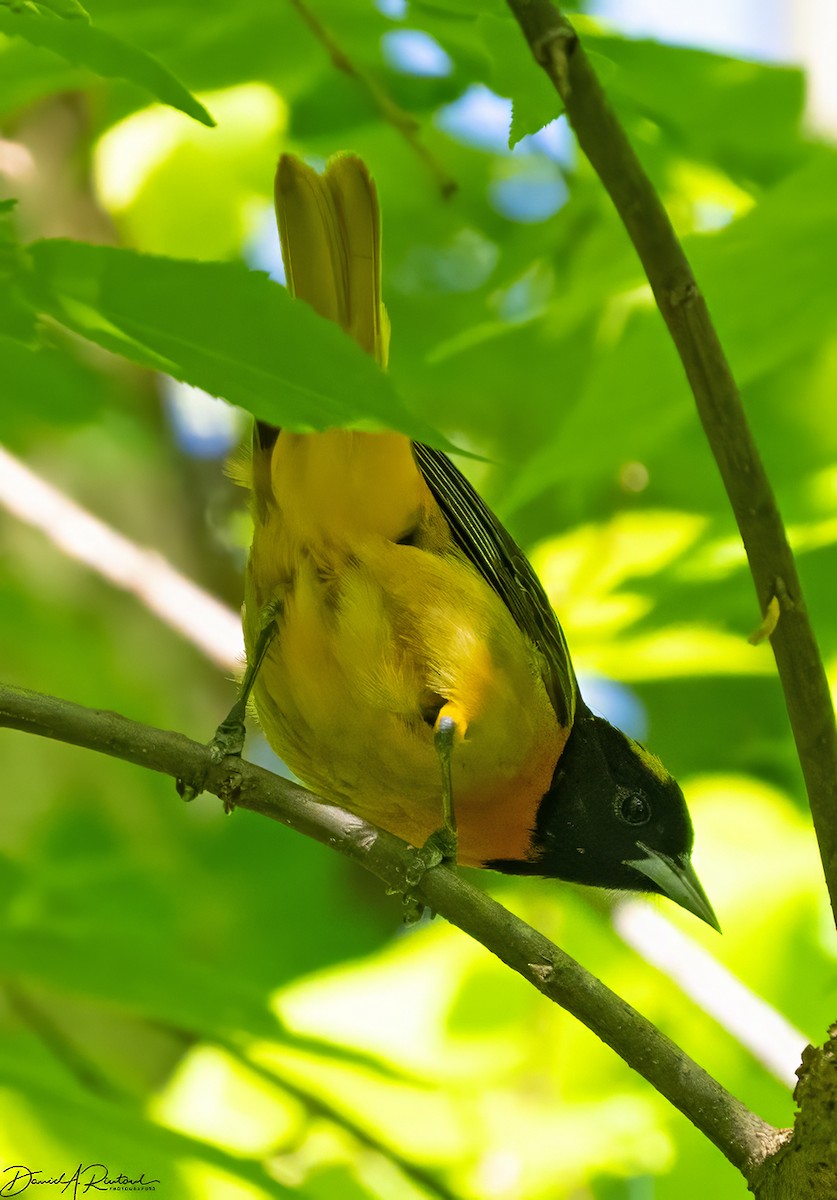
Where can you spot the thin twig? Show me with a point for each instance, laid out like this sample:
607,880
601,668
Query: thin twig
404,122
174,599
78,1064
744,1138
316,1104
557,49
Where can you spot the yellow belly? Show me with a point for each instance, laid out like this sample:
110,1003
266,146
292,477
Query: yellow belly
372,638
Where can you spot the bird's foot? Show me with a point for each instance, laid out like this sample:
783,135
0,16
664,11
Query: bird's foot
228,739
440,847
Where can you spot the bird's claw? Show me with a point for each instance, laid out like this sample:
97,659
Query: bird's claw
439,848
228,740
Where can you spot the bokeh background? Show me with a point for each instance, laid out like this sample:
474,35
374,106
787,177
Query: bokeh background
217,1002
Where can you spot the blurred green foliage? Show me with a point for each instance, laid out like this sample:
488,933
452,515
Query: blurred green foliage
218,1003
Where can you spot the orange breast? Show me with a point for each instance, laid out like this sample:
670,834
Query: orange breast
497,821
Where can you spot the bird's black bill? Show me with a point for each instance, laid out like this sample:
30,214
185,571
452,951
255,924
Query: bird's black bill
676,879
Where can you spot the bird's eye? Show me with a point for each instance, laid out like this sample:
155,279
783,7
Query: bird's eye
634,809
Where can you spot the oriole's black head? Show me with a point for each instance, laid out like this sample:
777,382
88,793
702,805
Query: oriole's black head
614,818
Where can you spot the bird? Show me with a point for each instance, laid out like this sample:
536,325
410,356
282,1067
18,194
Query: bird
403,658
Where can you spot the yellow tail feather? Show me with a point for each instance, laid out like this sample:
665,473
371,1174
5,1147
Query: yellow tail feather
330,228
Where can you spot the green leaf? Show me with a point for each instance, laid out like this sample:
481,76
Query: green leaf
144,977
769,277
742,116
461,8
516,75
88,1129
223,328
46,384
82,44
28,73
70,9
16,317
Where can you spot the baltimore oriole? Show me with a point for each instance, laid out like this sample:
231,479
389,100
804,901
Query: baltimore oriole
402,655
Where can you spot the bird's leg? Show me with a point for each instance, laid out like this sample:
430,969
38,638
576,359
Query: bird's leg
441,846
449,728
229,736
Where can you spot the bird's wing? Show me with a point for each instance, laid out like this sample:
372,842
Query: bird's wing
505,568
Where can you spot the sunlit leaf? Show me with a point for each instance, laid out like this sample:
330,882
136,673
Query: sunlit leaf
47,1116
215,1097
177,188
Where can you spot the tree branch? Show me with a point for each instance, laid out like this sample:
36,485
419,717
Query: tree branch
404,122
556,48
744,1138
